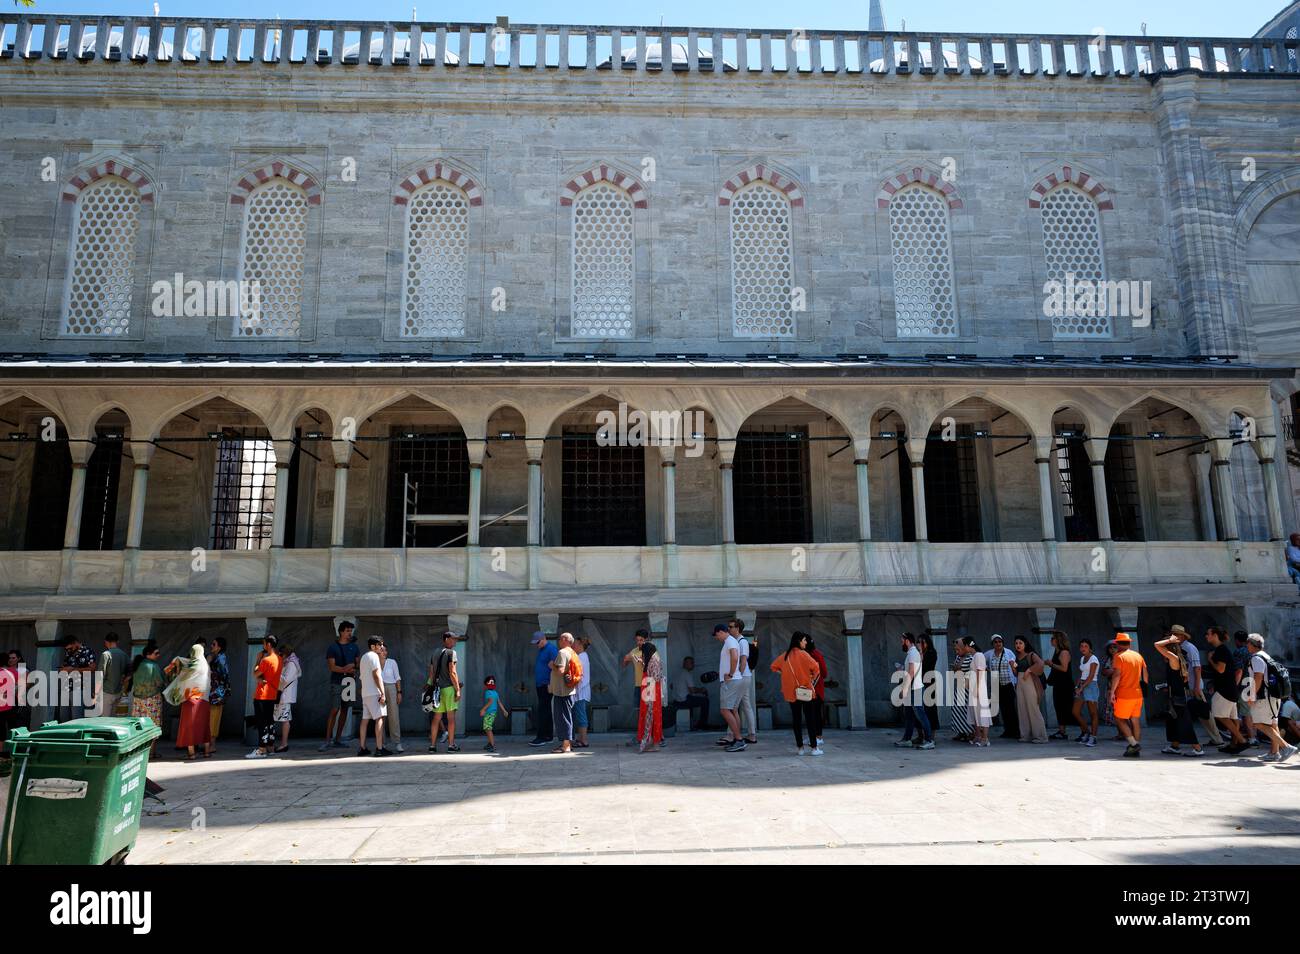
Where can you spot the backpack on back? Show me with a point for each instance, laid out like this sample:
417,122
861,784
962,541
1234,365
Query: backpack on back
573,671
1277,681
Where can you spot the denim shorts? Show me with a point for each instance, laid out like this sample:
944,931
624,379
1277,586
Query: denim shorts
1091,693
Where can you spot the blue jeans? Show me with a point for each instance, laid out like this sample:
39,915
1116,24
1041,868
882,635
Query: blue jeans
914,715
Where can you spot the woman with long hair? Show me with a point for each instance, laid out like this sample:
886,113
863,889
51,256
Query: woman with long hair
1108,671
1062,684
1178,716
929,662
289,677
146,683
1086,693
799,677
1029,694
188,690
650,724
820,688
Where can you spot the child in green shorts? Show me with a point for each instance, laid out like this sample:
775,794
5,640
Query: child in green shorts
491,702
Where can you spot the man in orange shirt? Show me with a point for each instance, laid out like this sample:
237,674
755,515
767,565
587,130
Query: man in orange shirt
1130,674
267,670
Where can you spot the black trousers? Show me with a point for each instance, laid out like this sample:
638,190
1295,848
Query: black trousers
1178,724
264,711
1007,710
1063,703
545,721
812,713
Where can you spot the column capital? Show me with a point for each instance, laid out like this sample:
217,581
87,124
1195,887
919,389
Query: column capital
748,619
49,632
476,450
1124,619
1265,448
80,452
1096,447
658,623
936,620
1044,447
916,450
853,620
142,453
861,449
342,451
142,629
1042,620
668,454
548,623
536,447
1220,450
258,627
458,623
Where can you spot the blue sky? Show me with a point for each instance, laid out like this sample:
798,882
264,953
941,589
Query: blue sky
1115,17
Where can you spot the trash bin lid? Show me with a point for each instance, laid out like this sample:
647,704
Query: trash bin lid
97,731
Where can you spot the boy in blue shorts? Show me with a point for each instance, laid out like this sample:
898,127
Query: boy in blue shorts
491,703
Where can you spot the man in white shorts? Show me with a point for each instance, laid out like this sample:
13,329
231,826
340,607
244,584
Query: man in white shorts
1263,707
373,708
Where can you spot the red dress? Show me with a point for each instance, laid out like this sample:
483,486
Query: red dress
195,728
650,716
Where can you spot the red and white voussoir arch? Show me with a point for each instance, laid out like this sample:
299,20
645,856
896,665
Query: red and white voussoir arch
760,173
109,167
275,170
603,173
917,174
437,173
1083,180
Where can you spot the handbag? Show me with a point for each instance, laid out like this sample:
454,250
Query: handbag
281,712
803,694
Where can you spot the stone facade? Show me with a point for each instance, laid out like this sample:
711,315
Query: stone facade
1182,178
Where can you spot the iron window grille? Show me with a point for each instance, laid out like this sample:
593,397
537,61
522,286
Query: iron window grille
243,490
952,503
99,507
603,499
436,464
771,485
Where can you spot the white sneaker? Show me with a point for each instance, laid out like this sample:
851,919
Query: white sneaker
399,748
256,754
820,742
817,751
800,751
1286,753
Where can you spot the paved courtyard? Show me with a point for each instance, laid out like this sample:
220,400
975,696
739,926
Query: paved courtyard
864,802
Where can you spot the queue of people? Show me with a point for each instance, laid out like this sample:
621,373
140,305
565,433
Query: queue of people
1249,693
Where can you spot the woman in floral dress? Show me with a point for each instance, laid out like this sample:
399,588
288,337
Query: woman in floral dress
146,685
650,724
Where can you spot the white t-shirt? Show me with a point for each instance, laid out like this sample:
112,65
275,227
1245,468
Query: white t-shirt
369,664
392,675
682,686
724,661
1257,665
584,687
1083,669
743,645
913,658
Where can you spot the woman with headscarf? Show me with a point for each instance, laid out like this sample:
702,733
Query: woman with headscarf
188,691
145,684
961,720
650,721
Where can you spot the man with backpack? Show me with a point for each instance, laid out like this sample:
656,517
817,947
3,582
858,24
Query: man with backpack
445,680
1267,685
566,676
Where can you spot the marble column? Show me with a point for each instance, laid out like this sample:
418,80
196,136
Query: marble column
476,449
1043,622
1224,502
727,471
49,650
342,456
80,451
936,627
1265,448
1097,457
861,452
1200,467
916,455
257,627
535,450
857,683
1043,459
141,454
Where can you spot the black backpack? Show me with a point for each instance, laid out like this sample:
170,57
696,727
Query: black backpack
1277,680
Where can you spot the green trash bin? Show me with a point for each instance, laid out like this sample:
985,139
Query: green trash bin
75,791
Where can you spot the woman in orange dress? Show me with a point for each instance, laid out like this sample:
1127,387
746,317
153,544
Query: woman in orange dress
189,690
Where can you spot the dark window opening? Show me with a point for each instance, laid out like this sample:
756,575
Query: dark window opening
47,505
1078,506
291,501
1122,489
243,490
906,500
99,502
952,503
603,492
771,487
434,465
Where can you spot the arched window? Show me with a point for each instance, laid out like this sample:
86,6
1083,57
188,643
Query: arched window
436,262
762,266
604,271
101,265
1072,247
925,304
271,259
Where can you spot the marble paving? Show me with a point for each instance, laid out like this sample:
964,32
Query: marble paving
863,802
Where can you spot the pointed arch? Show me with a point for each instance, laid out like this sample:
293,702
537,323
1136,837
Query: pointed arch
87,174
1073,175
440,171
605,172
914,175
276,169
780,180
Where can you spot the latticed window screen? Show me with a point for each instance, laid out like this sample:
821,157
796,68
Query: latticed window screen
1122,493
1072,246
771,486
437,263
762,267
243,491
436,460
271,261
604,271
101,267
952,503
924,302
603,492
